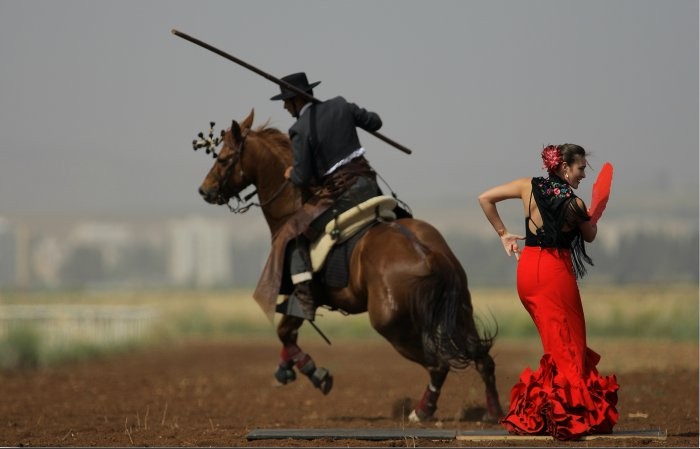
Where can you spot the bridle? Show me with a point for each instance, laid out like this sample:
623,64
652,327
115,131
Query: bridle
234,158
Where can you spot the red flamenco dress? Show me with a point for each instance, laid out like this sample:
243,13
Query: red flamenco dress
565,397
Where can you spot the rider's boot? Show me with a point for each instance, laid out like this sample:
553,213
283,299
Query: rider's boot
301,302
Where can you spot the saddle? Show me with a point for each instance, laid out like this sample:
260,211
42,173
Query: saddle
339,232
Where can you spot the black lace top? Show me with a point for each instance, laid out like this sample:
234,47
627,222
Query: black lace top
555,200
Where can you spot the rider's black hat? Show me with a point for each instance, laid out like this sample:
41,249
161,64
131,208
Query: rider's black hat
297,80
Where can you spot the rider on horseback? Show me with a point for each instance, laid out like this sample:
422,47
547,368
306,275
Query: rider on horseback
330,167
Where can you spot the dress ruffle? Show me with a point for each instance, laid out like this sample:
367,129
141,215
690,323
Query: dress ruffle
548,402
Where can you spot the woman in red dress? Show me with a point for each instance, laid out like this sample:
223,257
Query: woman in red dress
565,397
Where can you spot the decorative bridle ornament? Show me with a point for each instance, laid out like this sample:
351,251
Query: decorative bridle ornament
210,142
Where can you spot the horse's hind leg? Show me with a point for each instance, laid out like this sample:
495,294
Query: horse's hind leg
292,356
428,404
487,369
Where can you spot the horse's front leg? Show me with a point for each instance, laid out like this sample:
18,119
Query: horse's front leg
288,332
292,356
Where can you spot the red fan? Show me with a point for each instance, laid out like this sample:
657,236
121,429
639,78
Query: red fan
601,192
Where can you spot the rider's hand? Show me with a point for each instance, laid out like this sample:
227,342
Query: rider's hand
288,172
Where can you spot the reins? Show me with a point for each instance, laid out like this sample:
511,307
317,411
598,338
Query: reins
238,209
241,209
242,206
402,203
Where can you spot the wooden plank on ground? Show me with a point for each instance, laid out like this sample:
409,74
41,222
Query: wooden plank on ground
353,434
502,435
432,434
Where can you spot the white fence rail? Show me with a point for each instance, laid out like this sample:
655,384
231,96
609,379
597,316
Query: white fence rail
94,324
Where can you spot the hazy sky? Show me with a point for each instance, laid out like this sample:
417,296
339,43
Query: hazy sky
99,102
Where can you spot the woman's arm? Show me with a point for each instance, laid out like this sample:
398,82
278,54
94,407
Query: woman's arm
588,229
488,200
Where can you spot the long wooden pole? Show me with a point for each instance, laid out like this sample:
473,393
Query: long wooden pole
277,81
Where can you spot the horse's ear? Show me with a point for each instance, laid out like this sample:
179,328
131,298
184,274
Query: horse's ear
247,123
235,131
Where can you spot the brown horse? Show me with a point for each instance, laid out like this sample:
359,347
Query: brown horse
402,273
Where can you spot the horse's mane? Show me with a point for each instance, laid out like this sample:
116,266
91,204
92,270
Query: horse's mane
277,140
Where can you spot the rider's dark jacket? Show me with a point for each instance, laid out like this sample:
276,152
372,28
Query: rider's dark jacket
324,135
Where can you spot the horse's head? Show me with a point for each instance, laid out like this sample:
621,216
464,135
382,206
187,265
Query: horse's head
251,157
227,177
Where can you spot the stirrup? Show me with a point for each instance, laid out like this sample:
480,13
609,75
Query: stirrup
291,306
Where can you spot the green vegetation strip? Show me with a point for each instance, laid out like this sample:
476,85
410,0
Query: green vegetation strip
654,311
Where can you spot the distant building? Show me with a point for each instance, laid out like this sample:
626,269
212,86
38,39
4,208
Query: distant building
47,256
109,238
200,252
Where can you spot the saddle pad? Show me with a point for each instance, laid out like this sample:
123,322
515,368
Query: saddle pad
335,271
348,223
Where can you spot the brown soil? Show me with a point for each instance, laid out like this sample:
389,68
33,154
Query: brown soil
214,393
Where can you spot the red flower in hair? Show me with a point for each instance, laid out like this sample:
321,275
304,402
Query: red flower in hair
551,157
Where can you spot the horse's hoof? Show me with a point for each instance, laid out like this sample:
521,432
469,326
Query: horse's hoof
284,375
322,380
419,416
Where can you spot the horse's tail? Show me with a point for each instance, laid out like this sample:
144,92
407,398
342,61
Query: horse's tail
443,310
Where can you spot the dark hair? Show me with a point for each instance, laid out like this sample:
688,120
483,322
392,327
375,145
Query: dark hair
554,155
569,152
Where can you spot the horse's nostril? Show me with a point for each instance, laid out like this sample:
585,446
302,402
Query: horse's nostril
202,192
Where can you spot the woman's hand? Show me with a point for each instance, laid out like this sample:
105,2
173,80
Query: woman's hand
510,244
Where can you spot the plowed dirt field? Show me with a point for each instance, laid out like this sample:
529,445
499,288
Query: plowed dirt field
213,393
